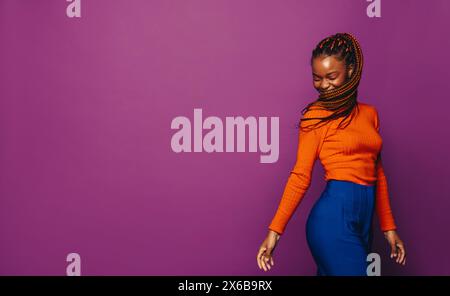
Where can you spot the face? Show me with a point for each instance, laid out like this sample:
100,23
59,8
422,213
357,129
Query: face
329,73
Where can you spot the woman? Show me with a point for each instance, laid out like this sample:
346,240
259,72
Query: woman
344,134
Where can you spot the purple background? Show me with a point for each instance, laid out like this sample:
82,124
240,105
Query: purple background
86,105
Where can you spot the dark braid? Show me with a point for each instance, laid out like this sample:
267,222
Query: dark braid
341,100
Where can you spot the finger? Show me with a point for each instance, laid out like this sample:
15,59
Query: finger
261,252
258,256
402,248
392,245
263,263
401,252
401,256
393,251
266,260
404,261
263,267
271,260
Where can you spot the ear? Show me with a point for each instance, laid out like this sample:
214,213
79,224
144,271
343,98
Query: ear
350,71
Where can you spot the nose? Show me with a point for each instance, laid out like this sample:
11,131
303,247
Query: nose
324,85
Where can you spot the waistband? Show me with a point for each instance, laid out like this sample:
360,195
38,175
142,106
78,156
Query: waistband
345,185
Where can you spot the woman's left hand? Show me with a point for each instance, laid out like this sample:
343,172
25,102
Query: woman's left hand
397,246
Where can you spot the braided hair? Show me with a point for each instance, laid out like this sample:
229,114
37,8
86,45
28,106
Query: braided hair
341,100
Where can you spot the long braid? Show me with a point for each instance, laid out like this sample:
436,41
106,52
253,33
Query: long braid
343,99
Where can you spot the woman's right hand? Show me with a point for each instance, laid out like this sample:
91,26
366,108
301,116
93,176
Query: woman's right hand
264,257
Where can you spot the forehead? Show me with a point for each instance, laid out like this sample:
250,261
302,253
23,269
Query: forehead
326,64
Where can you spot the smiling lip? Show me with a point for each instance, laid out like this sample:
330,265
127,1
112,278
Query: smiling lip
325,90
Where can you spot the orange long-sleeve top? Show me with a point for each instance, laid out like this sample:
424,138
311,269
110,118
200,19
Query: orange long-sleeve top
351,154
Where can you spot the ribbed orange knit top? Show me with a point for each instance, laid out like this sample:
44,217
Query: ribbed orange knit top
351,154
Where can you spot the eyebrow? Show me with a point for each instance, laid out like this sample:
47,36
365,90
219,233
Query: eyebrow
327,73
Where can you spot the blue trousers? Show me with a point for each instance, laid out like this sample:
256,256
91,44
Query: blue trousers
339,228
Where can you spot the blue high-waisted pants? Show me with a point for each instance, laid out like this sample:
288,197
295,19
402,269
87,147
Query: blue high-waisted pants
339,228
